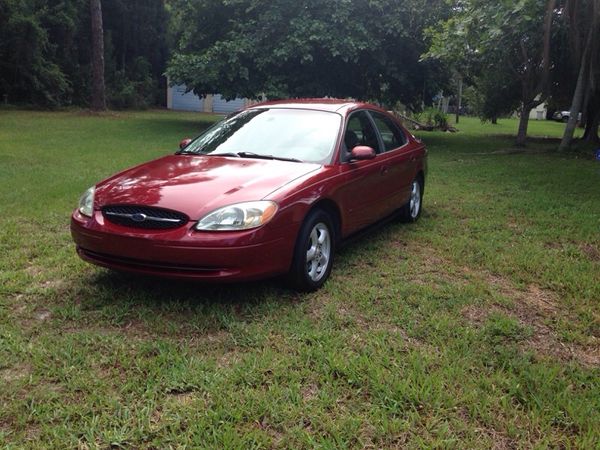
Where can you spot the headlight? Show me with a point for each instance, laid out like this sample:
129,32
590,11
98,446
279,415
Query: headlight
241,216
86,202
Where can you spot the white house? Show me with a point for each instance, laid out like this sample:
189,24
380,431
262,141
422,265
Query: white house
539,112
179,99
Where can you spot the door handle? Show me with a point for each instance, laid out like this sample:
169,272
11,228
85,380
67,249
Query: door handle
384,170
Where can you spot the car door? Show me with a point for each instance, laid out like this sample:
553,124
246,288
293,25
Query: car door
398,162
361,191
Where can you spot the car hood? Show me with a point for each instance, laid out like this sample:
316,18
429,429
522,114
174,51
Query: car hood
196,185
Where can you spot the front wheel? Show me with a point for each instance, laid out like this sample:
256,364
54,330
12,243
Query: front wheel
412,210
313,254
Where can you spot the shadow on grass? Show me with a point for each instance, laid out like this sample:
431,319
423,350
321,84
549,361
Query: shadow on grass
104,298
163,307
154,290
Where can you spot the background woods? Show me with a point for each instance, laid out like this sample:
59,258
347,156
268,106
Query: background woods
512,56
46,52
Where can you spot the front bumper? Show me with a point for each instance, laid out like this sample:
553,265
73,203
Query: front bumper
184,253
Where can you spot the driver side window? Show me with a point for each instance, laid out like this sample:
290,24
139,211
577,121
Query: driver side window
360,131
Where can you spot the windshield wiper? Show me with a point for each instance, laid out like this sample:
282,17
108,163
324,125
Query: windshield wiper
258,156
183,152
236,155
241,155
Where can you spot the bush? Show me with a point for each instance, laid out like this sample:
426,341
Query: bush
134,88
435,118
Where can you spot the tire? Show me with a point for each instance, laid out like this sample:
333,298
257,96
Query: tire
313,253
565,119
412,210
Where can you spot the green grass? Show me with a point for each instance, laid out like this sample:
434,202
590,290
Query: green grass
476,327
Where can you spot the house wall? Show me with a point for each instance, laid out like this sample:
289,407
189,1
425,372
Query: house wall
179,99
538,113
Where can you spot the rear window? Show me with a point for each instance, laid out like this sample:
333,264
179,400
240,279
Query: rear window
391,135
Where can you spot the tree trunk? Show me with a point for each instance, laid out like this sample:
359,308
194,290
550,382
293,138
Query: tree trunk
544,82
494,121
98,95
523,125
591,129
533,95
459,101
575,105
580,88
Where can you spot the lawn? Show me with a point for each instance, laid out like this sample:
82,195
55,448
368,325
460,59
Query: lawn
477,327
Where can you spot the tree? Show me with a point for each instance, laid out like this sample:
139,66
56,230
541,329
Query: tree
285,48
27,71
98,95
493,94
584,20
489,37
46,52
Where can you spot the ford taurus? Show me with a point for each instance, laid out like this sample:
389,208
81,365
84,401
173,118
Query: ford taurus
271,190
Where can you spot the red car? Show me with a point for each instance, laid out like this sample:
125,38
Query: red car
271,190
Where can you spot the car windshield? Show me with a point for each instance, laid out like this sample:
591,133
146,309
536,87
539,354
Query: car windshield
278,133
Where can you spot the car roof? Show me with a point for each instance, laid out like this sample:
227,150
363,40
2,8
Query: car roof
341,106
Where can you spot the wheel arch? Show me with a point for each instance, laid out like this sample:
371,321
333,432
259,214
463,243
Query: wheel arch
421,176
330,207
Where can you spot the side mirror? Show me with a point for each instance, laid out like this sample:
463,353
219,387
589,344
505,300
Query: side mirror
362,152
184,143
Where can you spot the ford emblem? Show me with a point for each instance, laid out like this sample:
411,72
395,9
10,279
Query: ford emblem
138,217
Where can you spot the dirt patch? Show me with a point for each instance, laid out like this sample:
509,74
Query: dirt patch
228,359
517,226
534,308
42,315
530,304
15,373
37,273
553,245
34,271
500,441
591,252
309,392
52,284
182,398
433,270
477,314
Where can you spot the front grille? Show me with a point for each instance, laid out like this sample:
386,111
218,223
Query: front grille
146,217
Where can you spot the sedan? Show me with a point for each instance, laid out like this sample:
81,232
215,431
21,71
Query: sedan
271,190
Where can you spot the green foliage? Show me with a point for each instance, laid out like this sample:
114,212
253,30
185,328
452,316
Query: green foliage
433,117
283,48
491,32
28,71
45,52
498,46
134,88
493,95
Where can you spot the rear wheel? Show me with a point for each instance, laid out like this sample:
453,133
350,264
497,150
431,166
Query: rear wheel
412,210
313,254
